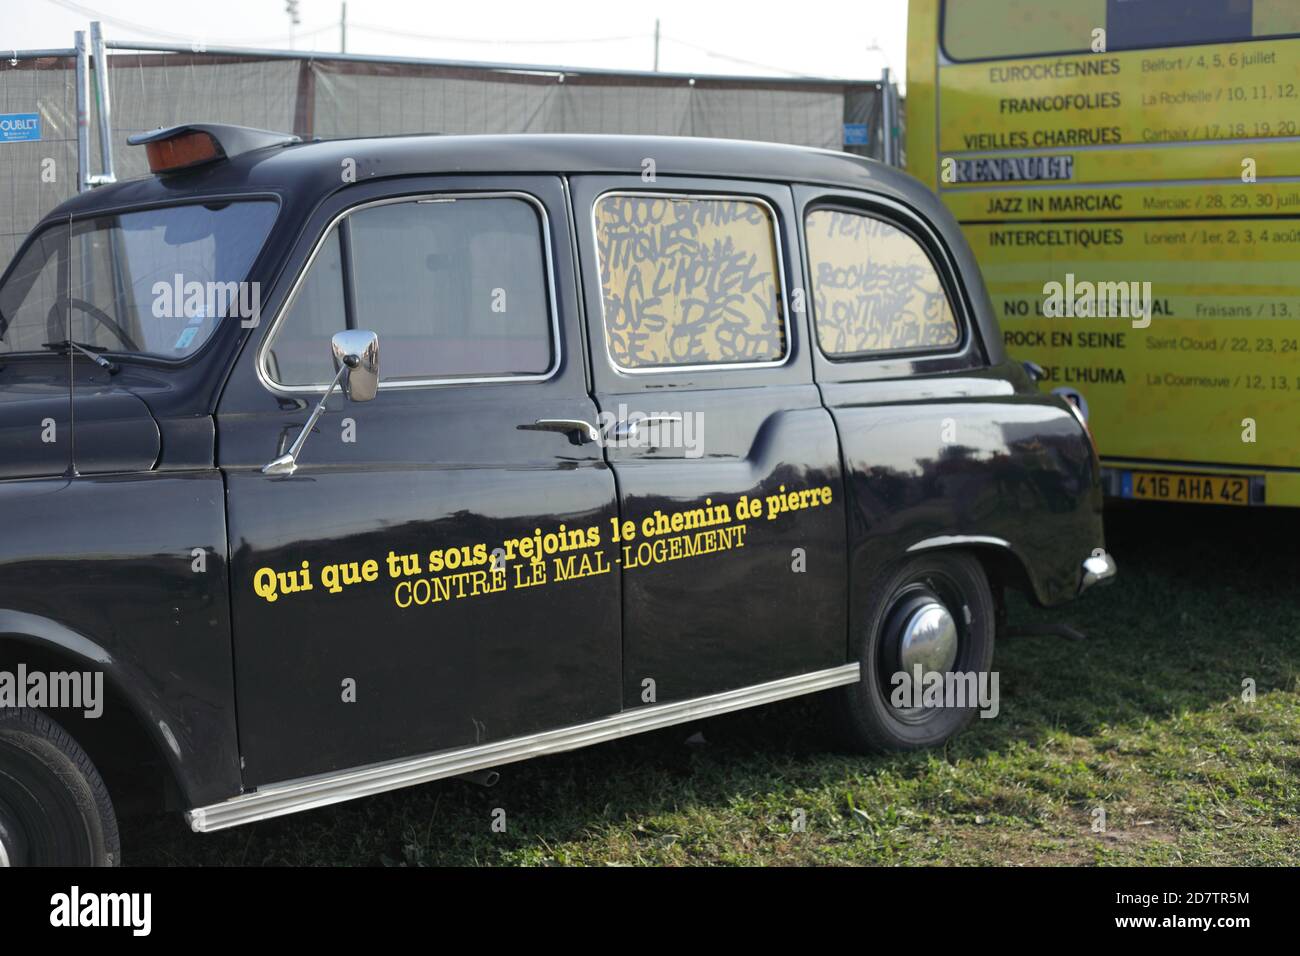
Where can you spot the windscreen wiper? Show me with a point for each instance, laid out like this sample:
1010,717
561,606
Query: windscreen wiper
86,350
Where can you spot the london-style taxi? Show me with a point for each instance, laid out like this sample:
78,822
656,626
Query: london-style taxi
329,468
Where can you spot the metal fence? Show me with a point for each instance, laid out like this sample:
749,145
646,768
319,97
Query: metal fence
35,176
332,96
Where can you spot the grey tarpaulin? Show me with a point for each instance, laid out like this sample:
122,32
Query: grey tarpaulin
328,96
353,99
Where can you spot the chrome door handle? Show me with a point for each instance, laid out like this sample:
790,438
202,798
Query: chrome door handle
583,431
625,431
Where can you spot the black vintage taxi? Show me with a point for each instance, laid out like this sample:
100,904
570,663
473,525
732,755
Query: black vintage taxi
329,468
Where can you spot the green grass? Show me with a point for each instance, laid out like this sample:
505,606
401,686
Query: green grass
1145,719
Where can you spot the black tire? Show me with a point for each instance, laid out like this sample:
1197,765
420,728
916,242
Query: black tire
54,807
862,713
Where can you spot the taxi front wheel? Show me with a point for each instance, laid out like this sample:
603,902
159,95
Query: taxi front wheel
925,652
54,807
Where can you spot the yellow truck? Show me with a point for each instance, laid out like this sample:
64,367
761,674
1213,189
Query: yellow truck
1128,174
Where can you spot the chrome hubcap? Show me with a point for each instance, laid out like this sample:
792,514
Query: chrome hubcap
12,845
5,859
929,639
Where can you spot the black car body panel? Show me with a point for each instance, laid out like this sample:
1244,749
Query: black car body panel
101,535
102,569
34,408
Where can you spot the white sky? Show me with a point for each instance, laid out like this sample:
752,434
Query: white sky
761,37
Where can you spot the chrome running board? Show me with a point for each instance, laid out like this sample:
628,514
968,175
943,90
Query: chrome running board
307,793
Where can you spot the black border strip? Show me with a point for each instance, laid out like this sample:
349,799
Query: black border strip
941,42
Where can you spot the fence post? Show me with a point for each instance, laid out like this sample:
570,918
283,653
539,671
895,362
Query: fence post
886,118
105,108
304,110
83,113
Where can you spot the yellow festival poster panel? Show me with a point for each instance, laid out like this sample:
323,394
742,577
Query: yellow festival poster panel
1099,146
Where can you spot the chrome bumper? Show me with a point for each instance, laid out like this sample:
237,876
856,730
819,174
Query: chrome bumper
1097,569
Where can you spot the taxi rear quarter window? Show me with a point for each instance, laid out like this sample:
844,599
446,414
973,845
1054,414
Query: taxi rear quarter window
874,288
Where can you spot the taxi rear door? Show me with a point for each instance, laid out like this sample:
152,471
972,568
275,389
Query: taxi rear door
730,488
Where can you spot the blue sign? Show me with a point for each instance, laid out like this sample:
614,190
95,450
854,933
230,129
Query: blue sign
855,134
20,127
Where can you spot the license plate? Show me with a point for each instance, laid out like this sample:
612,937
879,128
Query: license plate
1203,489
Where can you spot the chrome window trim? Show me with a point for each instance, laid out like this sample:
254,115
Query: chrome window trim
307,793
779,247
276,388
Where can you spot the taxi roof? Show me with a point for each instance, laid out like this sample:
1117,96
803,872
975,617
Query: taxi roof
302,164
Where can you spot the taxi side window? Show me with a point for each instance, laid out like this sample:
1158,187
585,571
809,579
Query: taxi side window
456,288
874,288
689,281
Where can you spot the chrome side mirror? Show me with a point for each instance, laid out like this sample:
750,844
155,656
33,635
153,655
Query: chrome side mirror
357,351
356,365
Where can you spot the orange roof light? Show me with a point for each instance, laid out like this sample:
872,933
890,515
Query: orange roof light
177,148
191,148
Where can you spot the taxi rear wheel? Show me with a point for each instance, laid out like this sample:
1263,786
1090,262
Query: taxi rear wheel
935,612
54,807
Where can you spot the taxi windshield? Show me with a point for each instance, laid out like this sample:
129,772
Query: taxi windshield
150,281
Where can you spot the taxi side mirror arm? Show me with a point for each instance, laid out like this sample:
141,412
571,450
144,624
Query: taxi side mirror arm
356,358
